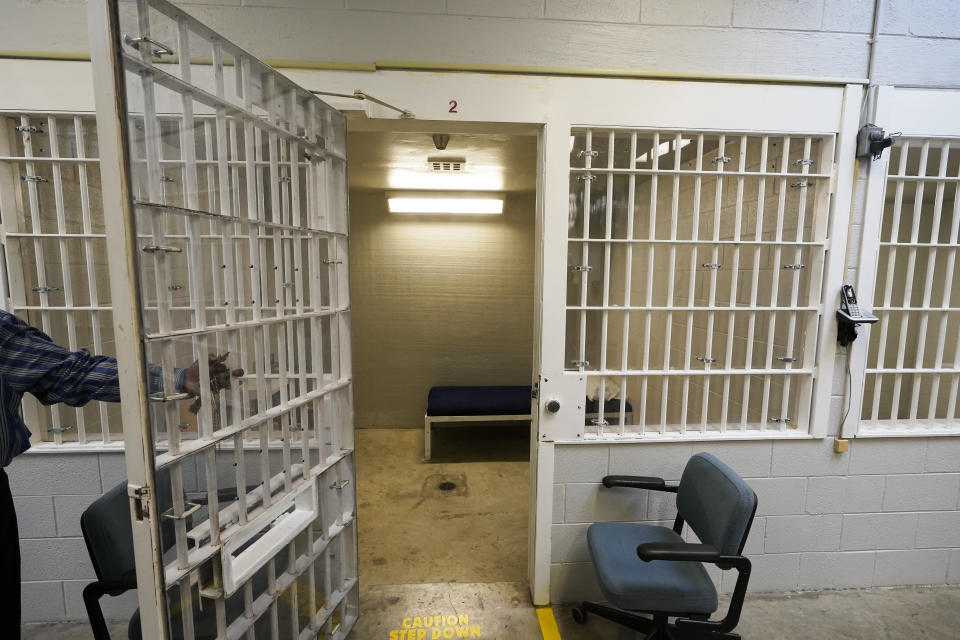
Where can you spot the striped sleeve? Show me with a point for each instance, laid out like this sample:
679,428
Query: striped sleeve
30,362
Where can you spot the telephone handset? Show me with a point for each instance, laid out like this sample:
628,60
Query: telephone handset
849,315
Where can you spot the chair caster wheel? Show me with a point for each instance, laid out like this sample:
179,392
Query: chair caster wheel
579,615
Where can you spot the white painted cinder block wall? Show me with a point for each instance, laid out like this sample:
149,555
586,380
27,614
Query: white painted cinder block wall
920,41
50,492
886,513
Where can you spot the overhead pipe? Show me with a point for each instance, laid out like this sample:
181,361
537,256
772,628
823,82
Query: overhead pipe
866,112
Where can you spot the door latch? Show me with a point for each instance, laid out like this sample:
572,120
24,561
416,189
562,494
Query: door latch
141,502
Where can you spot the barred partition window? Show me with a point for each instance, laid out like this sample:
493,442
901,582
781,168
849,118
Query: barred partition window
55,258
913,362
696,262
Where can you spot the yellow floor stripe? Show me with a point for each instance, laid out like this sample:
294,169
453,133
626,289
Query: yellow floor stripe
548,624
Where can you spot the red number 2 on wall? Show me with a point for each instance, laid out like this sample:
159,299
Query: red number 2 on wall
453,106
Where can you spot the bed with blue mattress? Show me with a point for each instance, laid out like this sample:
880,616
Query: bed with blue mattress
492,404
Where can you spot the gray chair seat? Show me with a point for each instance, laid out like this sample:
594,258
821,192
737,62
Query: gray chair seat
630,583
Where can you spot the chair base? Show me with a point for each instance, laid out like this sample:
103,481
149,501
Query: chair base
657,628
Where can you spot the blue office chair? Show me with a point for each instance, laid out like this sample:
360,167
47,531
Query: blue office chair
108,533
649,574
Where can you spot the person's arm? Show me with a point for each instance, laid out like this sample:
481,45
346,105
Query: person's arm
155,379
31,362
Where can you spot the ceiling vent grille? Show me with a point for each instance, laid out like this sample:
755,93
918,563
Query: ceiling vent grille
447,165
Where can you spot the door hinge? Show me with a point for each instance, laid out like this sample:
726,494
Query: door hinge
535,390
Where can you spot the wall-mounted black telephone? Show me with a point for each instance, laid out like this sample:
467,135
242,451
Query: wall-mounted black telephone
849,315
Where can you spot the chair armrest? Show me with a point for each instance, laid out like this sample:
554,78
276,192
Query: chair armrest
678,551
638,482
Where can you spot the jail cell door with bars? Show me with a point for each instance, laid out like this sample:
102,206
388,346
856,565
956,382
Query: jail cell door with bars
224,188
696,262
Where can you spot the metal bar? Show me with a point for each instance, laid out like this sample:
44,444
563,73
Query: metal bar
888,288
119,219
712,295
66,278
680,241
734,275
605,319
585,251
628,283
785,408
927,294
909,282
755,283
360,95
79,129
33,201
54,160
927,179
947,292
693,172
705,372
175,84
78,236
908,370
775,281
692,282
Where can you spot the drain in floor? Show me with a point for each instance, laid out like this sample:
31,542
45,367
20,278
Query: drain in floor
444,485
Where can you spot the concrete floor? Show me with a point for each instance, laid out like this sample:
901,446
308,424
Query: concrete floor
412,532
877,614
502,612
494,610
426,553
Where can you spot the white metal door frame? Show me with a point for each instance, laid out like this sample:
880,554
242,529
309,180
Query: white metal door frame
108,83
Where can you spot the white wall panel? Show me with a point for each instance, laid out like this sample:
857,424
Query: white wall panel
919,40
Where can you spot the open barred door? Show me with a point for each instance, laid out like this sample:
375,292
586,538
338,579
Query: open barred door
224,190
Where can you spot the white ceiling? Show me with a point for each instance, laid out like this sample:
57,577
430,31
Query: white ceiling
398,160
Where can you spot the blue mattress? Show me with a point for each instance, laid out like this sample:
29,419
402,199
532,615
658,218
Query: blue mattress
478,401
495,401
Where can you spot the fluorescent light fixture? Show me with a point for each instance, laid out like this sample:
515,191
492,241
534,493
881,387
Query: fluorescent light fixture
662,148
445,202
477,179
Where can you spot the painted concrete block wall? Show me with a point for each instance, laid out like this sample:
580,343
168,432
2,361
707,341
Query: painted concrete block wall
886,513
919,43
50,491
437,302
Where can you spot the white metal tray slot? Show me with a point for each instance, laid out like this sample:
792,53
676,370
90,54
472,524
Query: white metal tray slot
269,532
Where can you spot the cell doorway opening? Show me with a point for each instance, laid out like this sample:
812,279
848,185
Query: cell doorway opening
442,268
